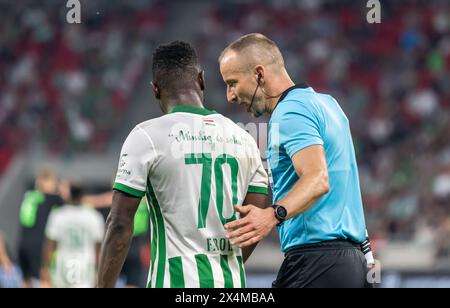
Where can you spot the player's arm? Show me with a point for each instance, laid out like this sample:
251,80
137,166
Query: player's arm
102,200
311,168
98,232
118,236
5,261
261,201
98,247
48,251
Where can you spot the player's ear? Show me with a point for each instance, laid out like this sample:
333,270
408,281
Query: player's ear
201,80
155,90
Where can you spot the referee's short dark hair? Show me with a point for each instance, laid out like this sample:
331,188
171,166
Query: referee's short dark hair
175,65
258,48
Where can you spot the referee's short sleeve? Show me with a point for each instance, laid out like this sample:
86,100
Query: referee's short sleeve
298,126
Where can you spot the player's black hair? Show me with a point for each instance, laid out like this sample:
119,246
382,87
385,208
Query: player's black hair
175,66
76,192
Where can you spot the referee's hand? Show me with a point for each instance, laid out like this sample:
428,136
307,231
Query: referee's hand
253,227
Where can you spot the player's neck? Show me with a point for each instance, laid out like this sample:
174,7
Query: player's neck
192,99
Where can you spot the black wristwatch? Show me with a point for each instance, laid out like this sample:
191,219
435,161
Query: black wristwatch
280,213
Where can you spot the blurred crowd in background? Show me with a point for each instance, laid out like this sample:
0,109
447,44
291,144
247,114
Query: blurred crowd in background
69,86
65,84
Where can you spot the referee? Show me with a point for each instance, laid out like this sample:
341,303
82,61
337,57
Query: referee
316,194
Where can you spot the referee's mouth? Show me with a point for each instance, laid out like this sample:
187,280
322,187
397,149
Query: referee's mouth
244,104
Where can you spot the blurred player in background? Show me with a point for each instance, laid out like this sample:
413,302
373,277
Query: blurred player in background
136,264
34,211
74,233
192,165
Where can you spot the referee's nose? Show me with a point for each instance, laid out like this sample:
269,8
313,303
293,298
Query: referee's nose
231,96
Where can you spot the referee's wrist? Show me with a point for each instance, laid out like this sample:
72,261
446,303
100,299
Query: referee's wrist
280,213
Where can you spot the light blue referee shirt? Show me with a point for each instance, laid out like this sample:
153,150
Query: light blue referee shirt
301,119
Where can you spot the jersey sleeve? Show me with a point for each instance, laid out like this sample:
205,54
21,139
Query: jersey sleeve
98,227
259,182
298,127
136,158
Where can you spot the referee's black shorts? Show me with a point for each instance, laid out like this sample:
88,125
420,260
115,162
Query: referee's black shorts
329,264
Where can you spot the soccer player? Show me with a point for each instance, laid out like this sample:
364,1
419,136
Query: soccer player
317,202
74,232
34,211
193,165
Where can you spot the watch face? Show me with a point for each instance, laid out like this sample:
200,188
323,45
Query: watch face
281,212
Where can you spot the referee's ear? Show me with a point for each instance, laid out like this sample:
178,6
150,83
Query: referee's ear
155,90
259,71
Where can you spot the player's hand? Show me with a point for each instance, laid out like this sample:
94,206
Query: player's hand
253,227
45,281
7,265
45,284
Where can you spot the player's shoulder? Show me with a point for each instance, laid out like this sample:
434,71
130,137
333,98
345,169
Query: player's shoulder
240,131
55,199
146,128
227,121
162,122
152,123
59,212
165,121
91,212
33,192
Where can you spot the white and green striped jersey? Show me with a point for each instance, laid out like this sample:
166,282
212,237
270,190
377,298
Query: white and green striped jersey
77,230
192,165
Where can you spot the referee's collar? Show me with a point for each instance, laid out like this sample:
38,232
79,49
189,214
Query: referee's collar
302,85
